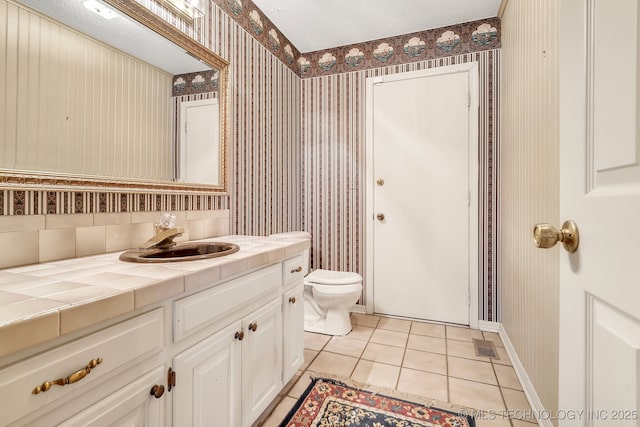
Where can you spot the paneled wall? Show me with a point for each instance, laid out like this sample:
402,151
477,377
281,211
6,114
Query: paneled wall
333,116
74,105
529,188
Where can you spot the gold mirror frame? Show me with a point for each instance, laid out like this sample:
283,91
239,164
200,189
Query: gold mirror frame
71,182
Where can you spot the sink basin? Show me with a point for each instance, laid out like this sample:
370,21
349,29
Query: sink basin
180,252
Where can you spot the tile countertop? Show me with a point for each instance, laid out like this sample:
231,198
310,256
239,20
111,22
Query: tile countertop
40,302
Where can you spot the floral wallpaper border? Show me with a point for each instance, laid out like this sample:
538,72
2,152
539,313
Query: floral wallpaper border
251,18
193,83
429,44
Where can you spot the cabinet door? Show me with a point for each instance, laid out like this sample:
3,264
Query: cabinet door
261,360
293,331
207,391
131,406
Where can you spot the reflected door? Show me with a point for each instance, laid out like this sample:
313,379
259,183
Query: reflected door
200,142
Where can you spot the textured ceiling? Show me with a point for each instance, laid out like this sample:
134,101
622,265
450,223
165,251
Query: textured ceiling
313,25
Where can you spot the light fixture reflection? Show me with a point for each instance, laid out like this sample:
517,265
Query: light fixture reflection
192,8
100,9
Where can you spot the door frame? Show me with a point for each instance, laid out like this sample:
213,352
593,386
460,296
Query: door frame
471,69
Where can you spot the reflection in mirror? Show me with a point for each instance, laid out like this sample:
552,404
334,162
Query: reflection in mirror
123,107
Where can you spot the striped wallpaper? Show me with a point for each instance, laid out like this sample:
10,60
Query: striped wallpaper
296,153
333,144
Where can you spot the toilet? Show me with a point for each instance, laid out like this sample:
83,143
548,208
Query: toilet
328,295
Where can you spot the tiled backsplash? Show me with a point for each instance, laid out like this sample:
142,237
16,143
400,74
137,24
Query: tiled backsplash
29,239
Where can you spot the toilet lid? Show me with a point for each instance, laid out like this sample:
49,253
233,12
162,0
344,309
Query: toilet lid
329,277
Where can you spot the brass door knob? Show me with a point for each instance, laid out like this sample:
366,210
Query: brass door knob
380,182
292,300
546,236
380,217
157,391
240,335
253,326
296,270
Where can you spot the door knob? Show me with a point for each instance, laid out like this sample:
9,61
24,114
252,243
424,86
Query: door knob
380,182
546,236
380,217
157,391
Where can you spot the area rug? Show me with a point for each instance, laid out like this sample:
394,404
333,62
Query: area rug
331,403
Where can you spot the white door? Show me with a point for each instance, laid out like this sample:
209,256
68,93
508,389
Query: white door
422,182
600,191
207,391
292,332
199,142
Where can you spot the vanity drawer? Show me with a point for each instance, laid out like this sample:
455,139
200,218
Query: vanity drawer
292,271
116,346
223,301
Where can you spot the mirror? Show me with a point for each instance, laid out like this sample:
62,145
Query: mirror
119,127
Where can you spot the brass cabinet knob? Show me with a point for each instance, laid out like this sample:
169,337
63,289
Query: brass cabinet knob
380,182
157,391
296,270
253,326
292,300
380,217
240,335
546,236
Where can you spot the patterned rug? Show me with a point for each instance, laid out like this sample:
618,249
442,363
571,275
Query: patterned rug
332,403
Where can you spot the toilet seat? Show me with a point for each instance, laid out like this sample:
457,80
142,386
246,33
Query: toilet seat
330,277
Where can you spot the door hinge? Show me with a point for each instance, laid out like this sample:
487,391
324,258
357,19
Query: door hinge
468,198
171,379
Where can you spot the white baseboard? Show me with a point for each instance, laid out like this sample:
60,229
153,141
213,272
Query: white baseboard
525,381
487,326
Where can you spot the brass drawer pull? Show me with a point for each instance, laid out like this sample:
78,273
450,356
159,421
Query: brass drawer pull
292,300
296,270
73,378
253,326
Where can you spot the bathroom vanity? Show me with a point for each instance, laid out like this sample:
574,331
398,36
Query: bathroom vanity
201,343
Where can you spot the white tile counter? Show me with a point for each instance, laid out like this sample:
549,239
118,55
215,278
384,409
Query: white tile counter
43,301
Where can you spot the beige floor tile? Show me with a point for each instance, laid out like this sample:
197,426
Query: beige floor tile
300,386
378,374
309,355
473,370
522,423
280,412
364,320
346,346
464,349
394,324
430,329
493,336
313,341
503,357
463,334
425,361
383,354
396,339
424,343
516,400
332,363
493,421
362,333
475,395
507,377
425,384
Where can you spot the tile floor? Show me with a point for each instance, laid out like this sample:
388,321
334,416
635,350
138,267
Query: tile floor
430,360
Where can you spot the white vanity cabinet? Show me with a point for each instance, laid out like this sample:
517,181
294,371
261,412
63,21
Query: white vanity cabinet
230,377
216,356
97,368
